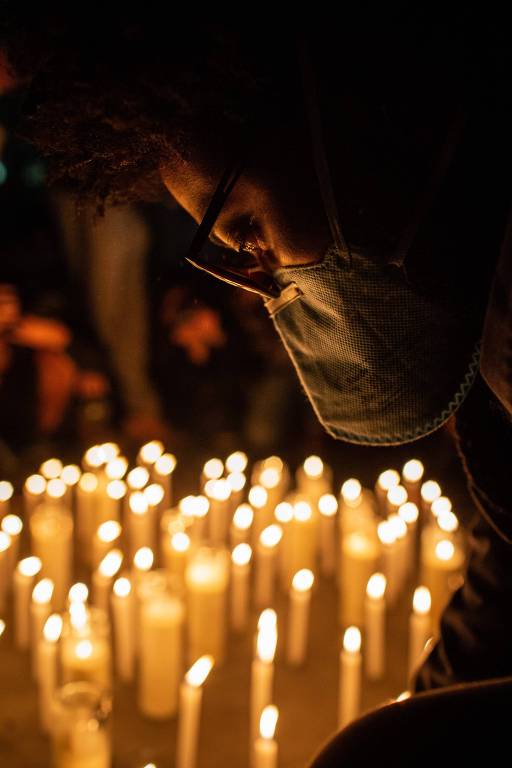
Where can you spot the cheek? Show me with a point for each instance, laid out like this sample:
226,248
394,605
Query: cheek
190,188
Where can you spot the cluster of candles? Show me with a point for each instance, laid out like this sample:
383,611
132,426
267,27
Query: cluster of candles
171,577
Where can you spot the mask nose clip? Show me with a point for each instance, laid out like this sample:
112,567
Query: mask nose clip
288,295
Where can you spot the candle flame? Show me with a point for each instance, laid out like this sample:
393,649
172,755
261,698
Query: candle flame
116,490
237,462
430,491
154,494
409,513
314,467
83,649
398,526
150,452
2,627
243,517
94,456
268,618
78,593
268,722
12,525
445,550
78,616
236,481
441,505
143,559
413,471
213,469
376,586
201,506
165,465
266,643
137,478
352,640
56,489
116,469
258,496
303,580
5,541
138,504
388,479
283,513
219,490
35,484
199,671
397,495
6,489
70,475
122,587
51,468
52,628
328,505
111,563
404,696
271,535
180,542
30,566
351,490
421,602
43,592
109,451
270,478
302,511
386,533
241,554
109,531
447,522
88,482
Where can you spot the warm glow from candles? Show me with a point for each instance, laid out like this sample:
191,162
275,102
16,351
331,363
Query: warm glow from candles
154,494
327,505
122,587
12,525
78,616
270,477
219,490
152,451
430,491
241,554
2,627
6,489
111,563
409,512
266,642
446,521
421,602
83,649
445,550
43,592
110,451
398,526
283,513
268,618
388,479
303,580
137,478
165,465
51,469
187,506
237,462
52,628
258,496
5,541
236,481
116,469
441,505
138,504
94,457
213,469
243,517
56,489
199,671
30,566
109,531
351,490
352,640
404,696
397,495
35,484
268,722
271,535
302,511
78,593
143,559
386,533
201,506
70,474
88,482
376,586
413,471
180,542
116,490
313,466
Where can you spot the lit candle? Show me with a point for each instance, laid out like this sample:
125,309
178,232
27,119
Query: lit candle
123,612
314,479
399,528
440,506
328,506
111,501
357,509
240,574
241,525
143,561
78,593
86,499
5,567
94,458
176,551
412,474
388,540
262,669
85,647
409,513
6,492
375,626
441,570
57,494
385,481
298,618
212,470
395,497
237,482
191,696
40,609
102,578
206,580
266,564
52,541
299,545
163,470
201,510
117,468
237,462
265,748
24,576
141,526
105,539
420,626
150,453
218,493
137,479
359,557
71,475
51,469
47,665
34,490
160,655
259,501
350,677
272,480
430,491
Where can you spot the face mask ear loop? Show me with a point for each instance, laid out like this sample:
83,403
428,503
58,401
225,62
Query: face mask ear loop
319,153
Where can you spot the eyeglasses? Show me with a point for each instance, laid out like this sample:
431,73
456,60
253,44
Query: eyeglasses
241,267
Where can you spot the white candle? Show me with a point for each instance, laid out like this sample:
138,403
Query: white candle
357,509
262,670
259,501
399,528
40,609
212,470
140,524
395,497
191,696
386,480
441,571
274,479
240,532
298,619
350,677
375,627
110,501
85,648
237,462
137,479
299,544
123,612
78,593
420,626
51,469
105,539
70,476
237,482
150,453
265,748
47,665
218,493
266,564
117,468
5,568
86,499
52,540
24,575
6,493
430,491
102,578
240,573
359,558
314,479
328,506
161,655
34,490
412,474
57,494
206,580
410,514
176,552
163,470
390,565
